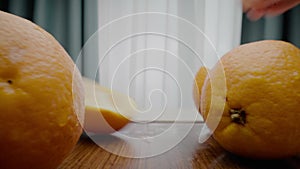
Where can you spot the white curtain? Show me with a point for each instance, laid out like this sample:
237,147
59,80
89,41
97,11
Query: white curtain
152,49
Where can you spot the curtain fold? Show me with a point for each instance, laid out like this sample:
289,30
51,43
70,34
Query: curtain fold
21,8
293,26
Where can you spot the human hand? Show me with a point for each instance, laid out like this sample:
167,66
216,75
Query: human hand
256,9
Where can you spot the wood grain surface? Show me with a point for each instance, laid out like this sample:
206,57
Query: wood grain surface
117,152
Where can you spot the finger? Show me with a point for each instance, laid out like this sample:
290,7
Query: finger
246,5
281,7
254,14
257,4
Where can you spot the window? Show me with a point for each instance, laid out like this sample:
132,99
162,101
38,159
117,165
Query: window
152,49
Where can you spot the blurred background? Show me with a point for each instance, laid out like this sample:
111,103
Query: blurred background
58,16
73,22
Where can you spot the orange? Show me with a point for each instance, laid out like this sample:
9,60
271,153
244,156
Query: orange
106,111
260,112
41,92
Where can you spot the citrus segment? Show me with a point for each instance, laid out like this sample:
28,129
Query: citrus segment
106,111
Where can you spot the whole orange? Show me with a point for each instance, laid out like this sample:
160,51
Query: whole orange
41,92
260,100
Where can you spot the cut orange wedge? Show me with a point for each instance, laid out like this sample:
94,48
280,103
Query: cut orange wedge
106,111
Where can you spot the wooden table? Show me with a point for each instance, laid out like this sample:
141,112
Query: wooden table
187,153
